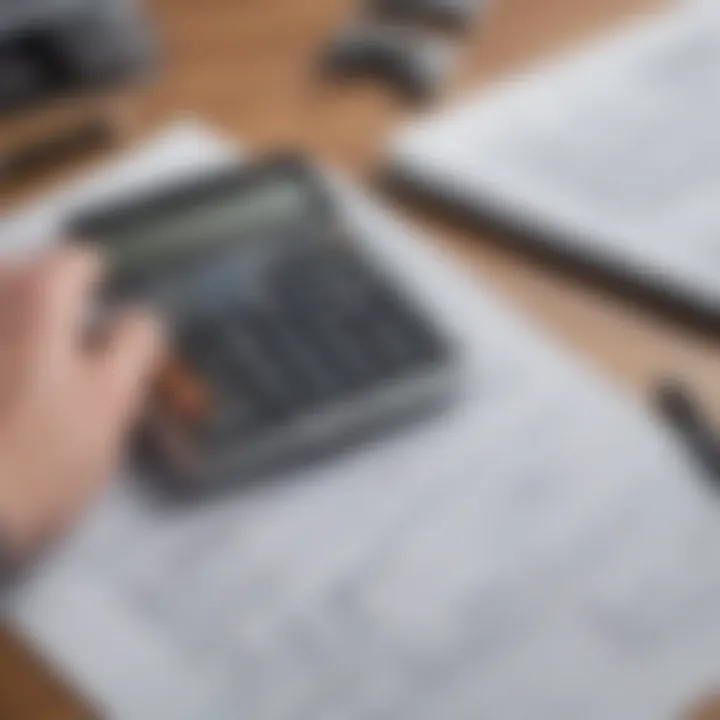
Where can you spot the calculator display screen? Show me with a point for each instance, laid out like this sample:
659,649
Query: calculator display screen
234,213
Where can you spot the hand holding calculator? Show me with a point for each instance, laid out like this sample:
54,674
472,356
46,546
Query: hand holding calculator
286,337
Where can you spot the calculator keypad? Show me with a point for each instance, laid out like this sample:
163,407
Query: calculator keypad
327,329
287,341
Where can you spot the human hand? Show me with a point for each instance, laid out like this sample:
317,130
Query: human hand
66,404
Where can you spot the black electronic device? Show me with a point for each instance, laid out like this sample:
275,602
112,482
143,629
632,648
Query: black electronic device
287,337
50,48
408,60
451,14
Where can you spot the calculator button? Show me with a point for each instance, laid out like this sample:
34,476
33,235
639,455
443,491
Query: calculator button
285,353
390,345
257,369
318,275
412,330
183,392
236,421
304,361
351,354
205,349
197,341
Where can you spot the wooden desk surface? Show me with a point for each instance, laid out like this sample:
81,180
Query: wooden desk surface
246,67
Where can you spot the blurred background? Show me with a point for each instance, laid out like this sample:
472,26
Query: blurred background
252,69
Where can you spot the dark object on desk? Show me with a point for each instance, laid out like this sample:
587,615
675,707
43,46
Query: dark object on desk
451,14
93,134
60,47
677,405
287,339
408,60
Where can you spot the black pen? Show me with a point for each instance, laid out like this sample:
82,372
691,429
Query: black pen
87,137
678,405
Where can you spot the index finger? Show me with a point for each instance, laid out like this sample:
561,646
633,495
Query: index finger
66,279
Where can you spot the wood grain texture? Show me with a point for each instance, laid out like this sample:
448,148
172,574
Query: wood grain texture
247,67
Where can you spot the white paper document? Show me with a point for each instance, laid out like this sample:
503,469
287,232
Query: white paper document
540,550
609,154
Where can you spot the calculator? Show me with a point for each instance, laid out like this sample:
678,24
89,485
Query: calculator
287,339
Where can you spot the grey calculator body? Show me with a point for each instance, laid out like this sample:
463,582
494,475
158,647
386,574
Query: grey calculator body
292,342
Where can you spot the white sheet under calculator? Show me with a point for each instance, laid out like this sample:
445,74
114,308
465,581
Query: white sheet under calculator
542,551
611,154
